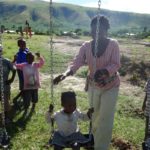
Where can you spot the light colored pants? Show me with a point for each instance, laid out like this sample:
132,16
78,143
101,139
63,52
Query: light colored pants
104,102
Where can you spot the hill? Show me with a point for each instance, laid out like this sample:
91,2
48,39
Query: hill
14,13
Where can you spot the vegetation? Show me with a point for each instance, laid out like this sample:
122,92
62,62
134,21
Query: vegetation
66,17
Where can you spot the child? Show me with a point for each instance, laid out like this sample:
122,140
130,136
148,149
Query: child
7,68
31,79
146,109
20,57
66,119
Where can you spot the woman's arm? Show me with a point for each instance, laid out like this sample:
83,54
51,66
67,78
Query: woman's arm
144,102
78,61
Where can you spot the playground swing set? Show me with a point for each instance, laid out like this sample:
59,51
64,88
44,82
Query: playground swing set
4,137
90,144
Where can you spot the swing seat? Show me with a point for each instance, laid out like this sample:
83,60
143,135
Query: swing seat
88,145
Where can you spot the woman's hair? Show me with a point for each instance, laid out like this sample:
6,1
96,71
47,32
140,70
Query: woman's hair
103,20
67,96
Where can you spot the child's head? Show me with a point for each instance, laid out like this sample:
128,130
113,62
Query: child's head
21,44
103,25
30,58
68,101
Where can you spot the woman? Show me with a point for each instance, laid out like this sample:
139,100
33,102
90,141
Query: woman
103,61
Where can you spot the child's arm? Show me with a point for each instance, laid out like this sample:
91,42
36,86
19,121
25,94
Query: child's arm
144,102
41,61
85,116
49,117
20,66
12,77
14,59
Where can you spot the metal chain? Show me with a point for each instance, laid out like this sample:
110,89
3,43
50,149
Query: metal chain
2,84
95,58
51,50
99,6
97,29
96,42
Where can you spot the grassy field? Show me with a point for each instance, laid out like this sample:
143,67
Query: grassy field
32,132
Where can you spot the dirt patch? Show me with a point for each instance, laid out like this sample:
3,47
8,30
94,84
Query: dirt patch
122,144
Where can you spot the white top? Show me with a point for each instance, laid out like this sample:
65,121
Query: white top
147,90
67,124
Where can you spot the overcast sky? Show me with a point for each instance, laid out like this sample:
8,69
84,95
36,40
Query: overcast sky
139,6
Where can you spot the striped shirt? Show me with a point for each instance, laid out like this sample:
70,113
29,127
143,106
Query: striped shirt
110,60
147,90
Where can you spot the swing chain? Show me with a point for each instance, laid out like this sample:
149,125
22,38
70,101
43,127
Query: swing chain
51,51
2,83
97,35
99,6
95,56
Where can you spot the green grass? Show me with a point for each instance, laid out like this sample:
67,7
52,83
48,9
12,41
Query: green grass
34,132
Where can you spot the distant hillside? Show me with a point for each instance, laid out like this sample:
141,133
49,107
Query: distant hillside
14,13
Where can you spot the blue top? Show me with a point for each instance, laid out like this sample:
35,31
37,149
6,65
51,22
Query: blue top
21,56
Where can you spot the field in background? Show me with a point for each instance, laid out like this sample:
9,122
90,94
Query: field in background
32,133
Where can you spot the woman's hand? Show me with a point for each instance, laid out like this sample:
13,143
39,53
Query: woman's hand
62,76
100,76
58,79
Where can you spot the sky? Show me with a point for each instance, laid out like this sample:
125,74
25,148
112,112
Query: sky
138,6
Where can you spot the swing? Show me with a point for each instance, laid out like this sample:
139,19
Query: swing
4,138
90,144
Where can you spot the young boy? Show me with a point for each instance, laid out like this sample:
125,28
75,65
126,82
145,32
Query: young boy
7,68
66,119
20,57
31,79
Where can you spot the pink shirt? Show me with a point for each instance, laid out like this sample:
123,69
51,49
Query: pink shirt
110,60
31,73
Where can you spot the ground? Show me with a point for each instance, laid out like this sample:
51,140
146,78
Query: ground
134,73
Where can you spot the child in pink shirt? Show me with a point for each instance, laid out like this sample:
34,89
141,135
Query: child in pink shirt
31,79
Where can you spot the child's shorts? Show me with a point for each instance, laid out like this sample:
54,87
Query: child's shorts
30,96
65,141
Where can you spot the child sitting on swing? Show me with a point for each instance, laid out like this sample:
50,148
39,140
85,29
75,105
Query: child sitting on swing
20,57
66,119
